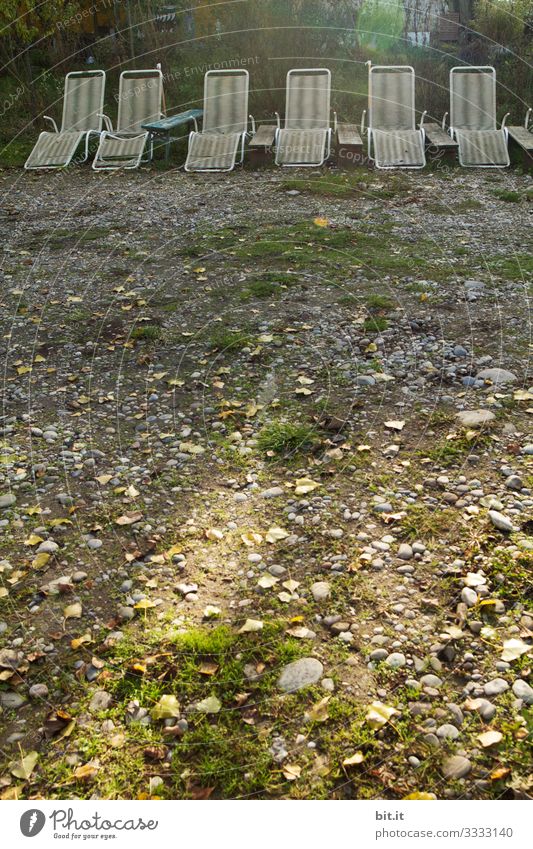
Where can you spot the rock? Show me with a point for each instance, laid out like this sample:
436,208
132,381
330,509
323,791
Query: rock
448,732
405,552
523,691
501,522
320,590
475,418
125,614
486,710
38,691
430,680
497,375
7,501
495,687
299,674
101,700
396,660
469,596
456,766
514,483
10,700
378,654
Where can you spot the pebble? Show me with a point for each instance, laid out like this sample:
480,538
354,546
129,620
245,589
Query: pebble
495,687
320,590
396,660
448,732
7,501
38,691
475,418
101,700
469,596
501,522
456,766
497,375
299,674
523,691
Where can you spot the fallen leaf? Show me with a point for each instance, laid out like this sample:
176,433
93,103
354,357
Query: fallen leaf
321,222
354,759
166,708
85,772
513,649
250,626
420,795
80,641
73,611
305,485
209,705
128,518
490,738
214,534
276,534
379,714
208,668
319,712
251,538
24,767
292,772
395,425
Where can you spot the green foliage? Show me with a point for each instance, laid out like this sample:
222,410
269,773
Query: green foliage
380,24
285,437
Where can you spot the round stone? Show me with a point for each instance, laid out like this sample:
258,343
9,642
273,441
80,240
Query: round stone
523,691
448,732
299,674
396,660
497,375
495,687
456,766
475,418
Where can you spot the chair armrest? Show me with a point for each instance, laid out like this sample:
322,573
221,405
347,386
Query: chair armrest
424,113
47,118
107,121
363,116
334,122
526,119
443,123
278,120
252,121
504,119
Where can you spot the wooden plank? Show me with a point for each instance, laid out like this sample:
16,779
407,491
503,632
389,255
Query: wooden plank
437,137
349,134
522,137
264,137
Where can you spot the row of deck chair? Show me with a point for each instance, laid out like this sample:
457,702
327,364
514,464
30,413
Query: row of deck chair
139,100
394,139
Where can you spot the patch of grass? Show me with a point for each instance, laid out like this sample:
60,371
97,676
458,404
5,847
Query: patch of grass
466,205
222,339
146,333
261,289
376,324
285,437
507,195
510,573
446,452
376,303
423,523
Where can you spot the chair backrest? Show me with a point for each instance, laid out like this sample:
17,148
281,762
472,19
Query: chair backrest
308,99
83,101
473,98
391,97
226,101
139,99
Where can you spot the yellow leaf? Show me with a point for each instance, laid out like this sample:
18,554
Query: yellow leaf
214,534
250,626
145,604
80,641
85,772
490,738
321,222
319,712
250,538
167,708
33,539
276,534
305,485
24,767
379,714
40,560
353,759
4,592
419,794
73,611
292,772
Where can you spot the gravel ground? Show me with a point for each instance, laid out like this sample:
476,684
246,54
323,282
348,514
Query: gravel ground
266,496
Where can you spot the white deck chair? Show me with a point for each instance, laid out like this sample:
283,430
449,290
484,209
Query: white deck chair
139,102
473,118
225,122
305,140
393,140
83,102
